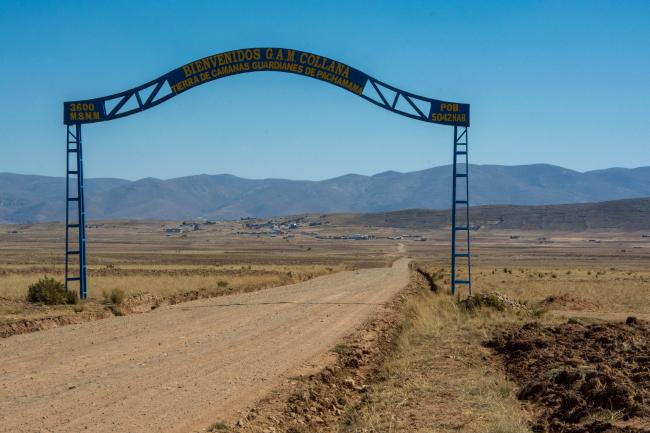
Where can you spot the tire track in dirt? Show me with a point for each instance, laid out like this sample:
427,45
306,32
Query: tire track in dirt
182,367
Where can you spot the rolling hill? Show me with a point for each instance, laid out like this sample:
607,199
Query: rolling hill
623,215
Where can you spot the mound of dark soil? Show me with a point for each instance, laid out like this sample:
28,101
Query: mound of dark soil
575,372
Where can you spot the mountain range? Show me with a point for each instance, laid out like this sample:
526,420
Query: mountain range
30,198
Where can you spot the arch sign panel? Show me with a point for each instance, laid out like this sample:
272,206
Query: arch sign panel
247,60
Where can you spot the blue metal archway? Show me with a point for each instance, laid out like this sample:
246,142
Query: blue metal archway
217,66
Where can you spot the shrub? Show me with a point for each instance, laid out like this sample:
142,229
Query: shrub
222,283
218,426
72,297
51,292
117,296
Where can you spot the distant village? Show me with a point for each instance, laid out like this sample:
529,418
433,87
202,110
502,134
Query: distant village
284,228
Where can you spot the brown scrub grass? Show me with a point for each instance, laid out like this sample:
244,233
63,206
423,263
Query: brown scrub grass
439,378
597,288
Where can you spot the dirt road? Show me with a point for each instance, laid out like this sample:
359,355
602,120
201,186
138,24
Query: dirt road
182,367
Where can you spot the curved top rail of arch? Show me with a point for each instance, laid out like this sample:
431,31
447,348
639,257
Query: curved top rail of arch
264,59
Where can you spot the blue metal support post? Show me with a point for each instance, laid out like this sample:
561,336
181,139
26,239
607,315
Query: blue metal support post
73,147
460,149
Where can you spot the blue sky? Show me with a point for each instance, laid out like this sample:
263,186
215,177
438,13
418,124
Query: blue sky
558,82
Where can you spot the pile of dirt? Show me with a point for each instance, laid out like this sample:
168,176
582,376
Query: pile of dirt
577,373
564,301
495,300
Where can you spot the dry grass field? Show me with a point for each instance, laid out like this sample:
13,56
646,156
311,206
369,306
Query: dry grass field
586,271
165,280
440,368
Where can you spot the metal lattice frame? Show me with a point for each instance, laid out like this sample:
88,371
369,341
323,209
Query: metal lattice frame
75,174
389,101
460,197
139,93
